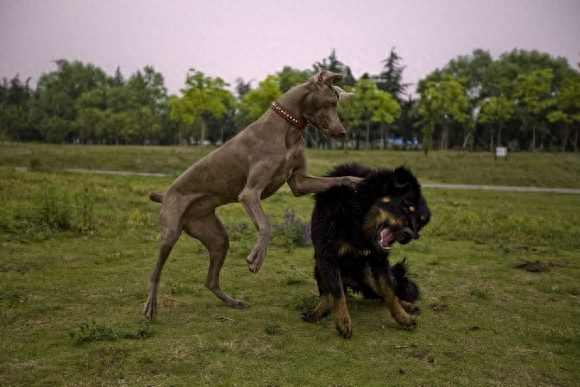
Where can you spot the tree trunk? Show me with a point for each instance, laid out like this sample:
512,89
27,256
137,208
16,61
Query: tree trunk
203,129
384,134
533,143
368,135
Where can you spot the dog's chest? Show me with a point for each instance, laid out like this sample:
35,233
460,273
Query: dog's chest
286,167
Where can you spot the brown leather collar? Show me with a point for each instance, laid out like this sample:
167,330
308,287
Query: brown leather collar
299,122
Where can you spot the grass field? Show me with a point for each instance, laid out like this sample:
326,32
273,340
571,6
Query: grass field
76,251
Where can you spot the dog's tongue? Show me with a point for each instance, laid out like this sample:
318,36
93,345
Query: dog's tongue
385,237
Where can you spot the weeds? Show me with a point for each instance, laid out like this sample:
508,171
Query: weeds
94,331
293,232
55,209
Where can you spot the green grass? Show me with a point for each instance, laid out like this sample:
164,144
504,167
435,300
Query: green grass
521,169
76,251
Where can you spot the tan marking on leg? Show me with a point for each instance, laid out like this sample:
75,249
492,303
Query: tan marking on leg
410,307
369,279
397,311
342,320
320,310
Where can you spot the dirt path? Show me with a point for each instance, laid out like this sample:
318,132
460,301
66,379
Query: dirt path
472,187
569,191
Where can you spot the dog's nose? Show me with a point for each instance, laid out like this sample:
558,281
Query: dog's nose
406,235
342,133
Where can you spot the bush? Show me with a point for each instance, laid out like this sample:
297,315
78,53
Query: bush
292,232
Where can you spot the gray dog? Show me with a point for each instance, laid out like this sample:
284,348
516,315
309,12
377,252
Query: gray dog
249,167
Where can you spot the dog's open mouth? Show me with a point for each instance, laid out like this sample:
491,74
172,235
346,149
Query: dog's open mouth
385,237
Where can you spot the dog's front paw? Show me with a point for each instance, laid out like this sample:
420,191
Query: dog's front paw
405,320
410,308
255,259
344,326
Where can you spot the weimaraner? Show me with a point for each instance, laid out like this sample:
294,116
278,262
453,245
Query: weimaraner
249,167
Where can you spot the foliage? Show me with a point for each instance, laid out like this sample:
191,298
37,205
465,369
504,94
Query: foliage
369,105
510,77
292,232
94,331
442,104
290,77
202,98
532,91
79,103
332,63
567,113
496,112
254,103
390,79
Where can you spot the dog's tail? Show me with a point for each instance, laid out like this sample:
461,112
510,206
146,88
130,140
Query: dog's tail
407,289
156,197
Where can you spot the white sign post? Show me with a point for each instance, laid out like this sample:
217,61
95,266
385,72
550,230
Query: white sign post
501,151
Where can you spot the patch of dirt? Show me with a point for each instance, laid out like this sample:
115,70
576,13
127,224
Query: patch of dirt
438,306
539,266
424,356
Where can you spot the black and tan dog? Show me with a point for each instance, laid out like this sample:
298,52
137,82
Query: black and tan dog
352,232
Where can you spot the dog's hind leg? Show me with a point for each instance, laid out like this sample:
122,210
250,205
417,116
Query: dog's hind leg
322,308
393,303
212,233
330,284
170,232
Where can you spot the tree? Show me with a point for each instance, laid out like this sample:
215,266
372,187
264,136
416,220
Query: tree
390,79
567,113
441,104
496,112
290,77
14,120
256,102
53,107
369,105
533,91
333,64
202,98
242,87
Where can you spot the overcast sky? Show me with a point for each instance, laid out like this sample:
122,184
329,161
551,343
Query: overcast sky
253,38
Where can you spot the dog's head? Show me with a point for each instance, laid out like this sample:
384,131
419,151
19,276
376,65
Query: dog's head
320,105
395,211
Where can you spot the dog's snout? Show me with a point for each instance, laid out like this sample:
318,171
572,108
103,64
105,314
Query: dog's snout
408,233
342,133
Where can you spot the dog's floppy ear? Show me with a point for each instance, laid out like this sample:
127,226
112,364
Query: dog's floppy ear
342,95
404,178
325,78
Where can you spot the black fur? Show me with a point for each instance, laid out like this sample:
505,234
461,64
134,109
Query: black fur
354,228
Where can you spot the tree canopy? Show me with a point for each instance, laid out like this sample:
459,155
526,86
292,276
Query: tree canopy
522,99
